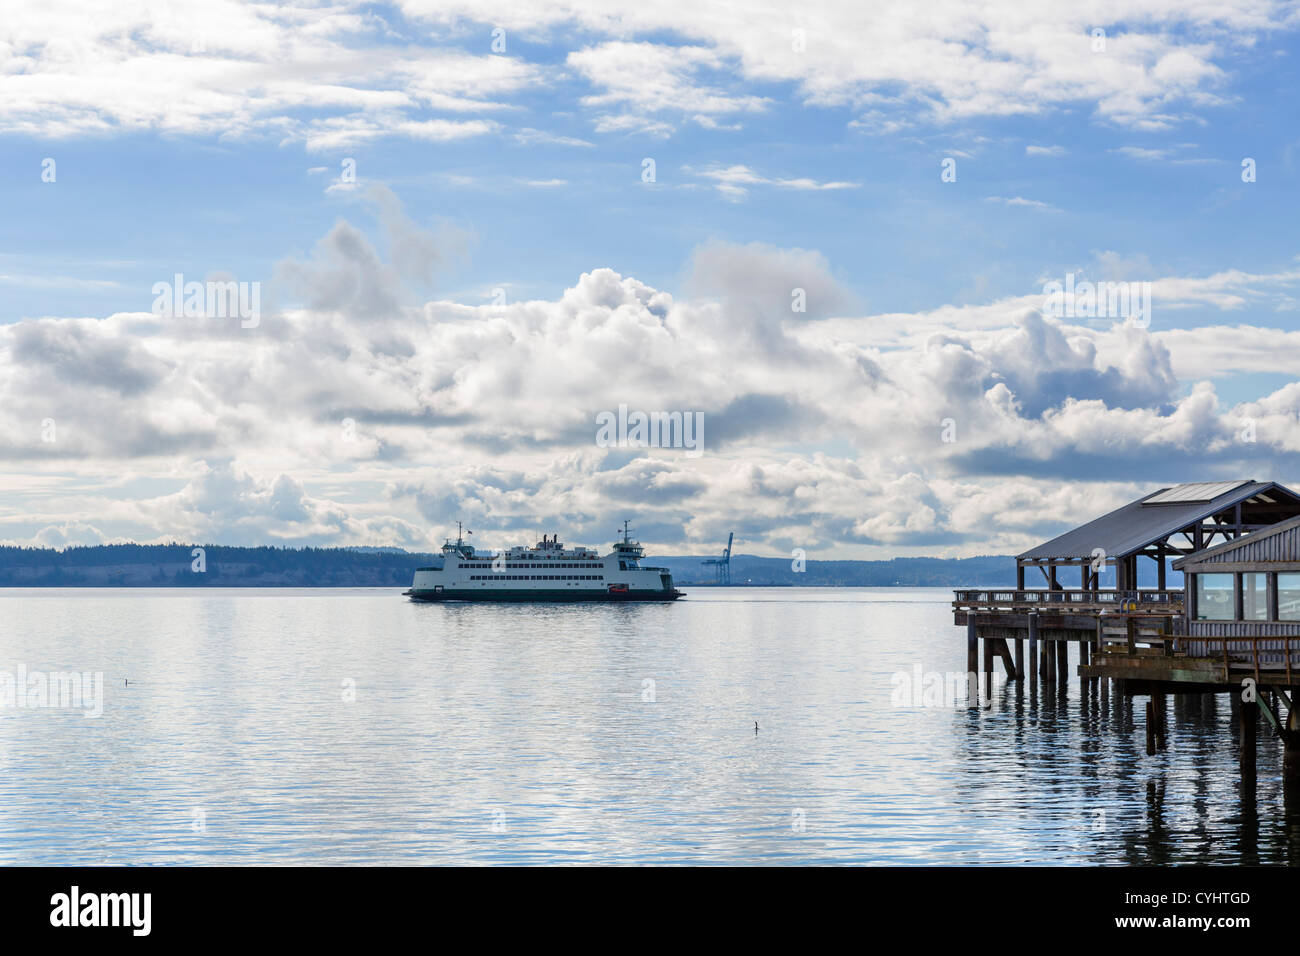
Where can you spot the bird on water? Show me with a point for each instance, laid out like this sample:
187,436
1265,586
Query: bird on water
756,728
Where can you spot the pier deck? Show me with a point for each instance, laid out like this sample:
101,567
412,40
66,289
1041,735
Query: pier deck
1138,639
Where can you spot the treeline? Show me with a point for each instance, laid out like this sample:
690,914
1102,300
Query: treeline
177,565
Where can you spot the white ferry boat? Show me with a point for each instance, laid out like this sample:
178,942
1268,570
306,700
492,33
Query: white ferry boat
547,572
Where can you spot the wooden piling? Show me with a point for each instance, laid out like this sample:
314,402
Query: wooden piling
972,646
1033,648
988,668
1247,722
1020,659
1063,662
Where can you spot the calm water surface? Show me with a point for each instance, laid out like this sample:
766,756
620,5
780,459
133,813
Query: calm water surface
351,726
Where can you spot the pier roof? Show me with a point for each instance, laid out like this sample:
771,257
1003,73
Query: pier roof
1179,509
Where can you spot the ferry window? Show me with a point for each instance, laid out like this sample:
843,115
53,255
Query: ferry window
1288,596
1214,597
1254,597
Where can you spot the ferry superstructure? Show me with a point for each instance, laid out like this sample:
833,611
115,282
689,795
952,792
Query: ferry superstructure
547,572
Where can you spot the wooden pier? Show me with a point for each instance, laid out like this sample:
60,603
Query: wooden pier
1234,630
1137,639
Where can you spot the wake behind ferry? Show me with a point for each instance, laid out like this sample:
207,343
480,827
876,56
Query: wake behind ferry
547,572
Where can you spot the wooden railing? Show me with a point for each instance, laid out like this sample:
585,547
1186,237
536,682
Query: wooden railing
1269,654
1020,600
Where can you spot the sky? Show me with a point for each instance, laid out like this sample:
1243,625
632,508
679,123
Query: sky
828,233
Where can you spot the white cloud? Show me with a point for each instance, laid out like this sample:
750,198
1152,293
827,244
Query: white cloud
535,137
648,78
1022,201
296,70
365,415
300,70
900,63
734,181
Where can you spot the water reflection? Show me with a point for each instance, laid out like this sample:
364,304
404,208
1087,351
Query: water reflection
1092,790
602,733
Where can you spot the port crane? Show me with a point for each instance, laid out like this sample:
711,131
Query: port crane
722,566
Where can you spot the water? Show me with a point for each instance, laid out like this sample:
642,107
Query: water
529,734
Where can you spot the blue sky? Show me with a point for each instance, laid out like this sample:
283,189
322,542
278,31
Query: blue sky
211,144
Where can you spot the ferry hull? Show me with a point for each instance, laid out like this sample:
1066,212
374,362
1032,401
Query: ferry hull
539,596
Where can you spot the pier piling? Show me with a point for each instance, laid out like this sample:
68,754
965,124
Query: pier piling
1033,648
1247,724
988,667
972,652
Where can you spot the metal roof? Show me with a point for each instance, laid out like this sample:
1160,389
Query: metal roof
1143,522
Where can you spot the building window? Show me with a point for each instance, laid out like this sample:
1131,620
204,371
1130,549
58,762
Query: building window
1214,597
1288,596
1254,597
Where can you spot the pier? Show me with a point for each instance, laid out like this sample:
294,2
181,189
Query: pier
1234,628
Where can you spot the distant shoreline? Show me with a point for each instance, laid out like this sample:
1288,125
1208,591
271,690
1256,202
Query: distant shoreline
191,565
209,566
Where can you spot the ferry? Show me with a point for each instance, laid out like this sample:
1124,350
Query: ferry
547,572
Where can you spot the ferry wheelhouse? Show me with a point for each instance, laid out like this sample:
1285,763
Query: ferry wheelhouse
547,572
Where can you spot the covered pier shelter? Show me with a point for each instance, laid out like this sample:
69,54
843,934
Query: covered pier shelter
1171,523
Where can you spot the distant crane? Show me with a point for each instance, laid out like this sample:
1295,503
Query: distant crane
722,566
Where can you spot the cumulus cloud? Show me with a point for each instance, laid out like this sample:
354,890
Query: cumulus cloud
363,412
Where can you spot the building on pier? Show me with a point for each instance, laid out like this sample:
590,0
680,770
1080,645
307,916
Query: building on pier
1243,601
1173,522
